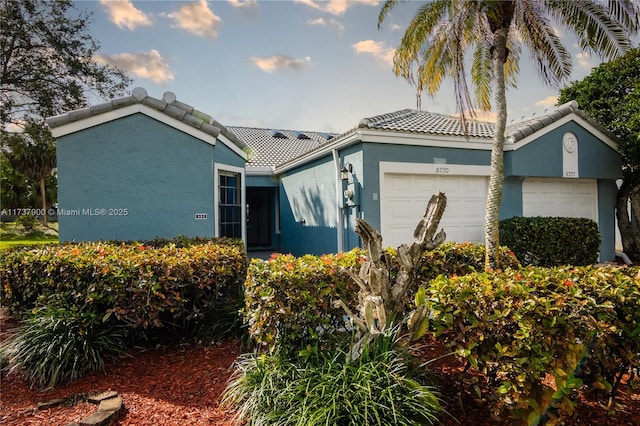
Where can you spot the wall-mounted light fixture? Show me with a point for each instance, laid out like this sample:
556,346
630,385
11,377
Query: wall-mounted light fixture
347,169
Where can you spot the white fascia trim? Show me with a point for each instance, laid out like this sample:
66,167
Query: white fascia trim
260,171
433,169
115,114
235,148
426,139
567,118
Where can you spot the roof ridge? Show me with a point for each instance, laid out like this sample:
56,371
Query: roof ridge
379,119
522,129
169,105
280,129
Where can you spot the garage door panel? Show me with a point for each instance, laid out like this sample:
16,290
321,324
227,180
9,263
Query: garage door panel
423,185
560,198
403,207
398,184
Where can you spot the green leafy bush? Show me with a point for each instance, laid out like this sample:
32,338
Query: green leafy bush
144,287
28,222
56,346
453,259
183,241
379,388
552,241
581,325
289,299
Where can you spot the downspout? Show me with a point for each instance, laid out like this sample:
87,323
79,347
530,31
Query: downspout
624,257
339,207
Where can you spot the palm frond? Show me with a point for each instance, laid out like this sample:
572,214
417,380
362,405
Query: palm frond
415,40
537,33
605,29
512,65
386,8
482,75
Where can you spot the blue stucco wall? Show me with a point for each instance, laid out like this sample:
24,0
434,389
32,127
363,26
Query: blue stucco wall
263,181
308,204
607,190
160,175
543,157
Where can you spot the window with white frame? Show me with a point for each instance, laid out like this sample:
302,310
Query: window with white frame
230,204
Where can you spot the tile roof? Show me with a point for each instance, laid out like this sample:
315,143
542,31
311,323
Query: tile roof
412,121
268,150
168,105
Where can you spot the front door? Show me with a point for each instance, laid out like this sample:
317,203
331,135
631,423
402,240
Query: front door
259,217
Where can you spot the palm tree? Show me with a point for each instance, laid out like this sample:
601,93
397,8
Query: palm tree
443,31
32,153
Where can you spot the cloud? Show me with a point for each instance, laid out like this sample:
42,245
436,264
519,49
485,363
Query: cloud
377,49
150,65
336,7
124,14
244,4
197,18
547,102
584,60
332,24
278,62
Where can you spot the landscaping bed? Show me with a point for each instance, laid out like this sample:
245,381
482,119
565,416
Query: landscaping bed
182,385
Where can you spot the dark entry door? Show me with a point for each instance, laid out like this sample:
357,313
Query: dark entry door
259,217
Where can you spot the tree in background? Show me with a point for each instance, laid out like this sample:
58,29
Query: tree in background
442,31
611,95
47,67
47,62
33,154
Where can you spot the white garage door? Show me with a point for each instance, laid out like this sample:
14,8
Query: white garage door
560,198
405,198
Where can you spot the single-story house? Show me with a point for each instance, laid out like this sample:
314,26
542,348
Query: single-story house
139,167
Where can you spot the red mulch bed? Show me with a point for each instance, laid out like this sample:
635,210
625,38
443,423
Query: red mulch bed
181,386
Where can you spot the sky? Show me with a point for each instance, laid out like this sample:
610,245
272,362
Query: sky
289,64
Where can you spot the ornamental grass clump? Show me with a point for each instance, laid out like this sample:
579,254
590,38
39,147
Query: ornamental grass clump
381,387
56,346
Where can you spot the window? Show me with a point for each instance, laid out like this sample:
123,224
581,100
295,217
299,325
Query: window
230,204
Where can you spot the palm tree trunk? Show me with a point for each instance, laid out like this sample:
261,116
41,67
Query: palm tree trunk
43,194
496,181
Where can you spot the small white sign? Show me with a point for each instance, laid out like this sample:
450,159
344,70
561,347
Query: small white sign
201,216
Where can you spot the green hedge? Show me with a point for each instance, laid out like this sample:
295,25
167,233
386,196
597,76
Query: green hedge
142,286
580,324
289,299
461,259
552,241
